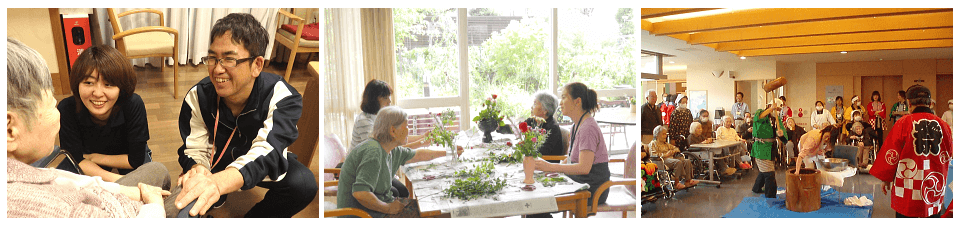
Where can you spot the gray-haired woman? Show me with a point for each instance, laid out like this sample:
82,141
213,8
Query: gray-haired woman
545,107
32,125
365,178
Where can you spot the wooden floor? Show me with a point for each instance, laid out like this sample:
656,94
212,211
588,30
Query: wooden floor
156,89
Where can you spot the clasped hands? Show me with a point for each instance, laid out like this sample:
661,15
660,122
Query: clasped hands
199,185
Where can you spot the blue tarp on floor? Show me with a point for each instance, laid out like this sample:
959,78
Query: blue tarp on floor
761,207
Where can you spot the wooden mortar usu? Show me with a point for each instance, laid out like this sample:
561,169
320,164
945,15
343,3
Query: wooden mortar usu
803,190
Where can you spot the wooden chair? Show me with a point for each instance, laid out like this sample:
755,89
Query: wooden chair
331,183
294,42
334,154
346,212
150,41
619,198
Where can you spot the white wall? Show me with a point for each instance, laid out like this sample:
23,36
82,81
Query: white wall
32,27
801,91
720,91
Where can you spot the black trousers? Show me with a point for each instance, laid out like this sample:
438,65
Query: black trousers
289,196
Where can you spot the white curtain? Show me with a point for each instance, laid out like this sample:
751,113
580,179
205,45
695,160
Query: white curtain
193,25
344,71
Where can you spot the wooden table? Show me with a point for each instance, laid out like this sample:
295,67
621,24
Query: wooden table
617,118
711,149
432,204
576,203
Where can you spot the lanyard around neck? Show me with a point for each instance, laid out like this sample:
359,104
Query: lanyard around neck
215,125
573,135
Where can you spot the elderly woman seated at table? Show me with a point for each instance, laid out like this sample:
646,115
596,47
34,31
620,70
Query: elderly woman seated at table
726,132
699,135
682,168
365,178
545,106
376,95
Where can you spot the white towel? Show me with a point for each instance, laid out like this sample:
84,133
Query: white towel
858,201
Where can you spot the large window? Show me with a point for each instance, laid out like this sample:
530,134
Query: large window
509,56
596,47
426,47
509,52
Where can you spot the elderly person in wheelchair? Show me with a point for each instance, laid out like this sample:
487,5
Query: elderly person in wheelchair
670,156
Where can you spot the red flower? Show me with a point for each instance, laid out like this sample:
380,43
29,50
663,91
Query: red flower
534,139
494,96
438,114
523,127
543,131
509,144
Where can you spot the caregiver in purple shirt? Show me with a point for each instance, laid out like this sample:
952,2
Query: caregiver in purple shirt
588,158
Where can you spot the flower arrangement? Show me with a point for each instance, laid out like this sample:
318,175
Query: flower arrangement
532,139
491,111
440,134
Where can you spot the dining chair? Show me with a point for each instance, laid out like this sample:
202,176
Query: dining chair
618,199
346,212
149,41
298,40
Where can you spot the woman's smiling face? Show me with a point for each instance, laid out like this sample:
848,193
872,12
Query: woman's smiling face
98,96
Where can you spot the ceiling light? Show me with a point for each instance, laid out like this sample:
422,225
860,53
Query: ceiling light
743,58
672,62
843,52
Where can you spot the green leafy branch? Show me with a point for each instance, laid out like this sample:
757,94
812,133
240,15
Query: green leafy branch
480,170
476,183
440,134
550,181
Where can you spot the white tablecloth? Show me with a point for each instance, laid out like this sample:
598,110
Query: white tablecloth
431,197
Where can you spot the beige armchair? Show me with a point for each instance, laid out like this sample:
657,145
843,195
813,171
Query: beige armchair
150,41
292,41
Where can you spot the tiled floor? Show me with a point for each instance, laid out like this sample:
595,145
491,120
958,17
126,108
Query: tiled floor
710,201
162,113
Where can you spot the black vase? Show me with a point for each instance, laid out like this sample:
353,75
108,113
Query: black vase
488,126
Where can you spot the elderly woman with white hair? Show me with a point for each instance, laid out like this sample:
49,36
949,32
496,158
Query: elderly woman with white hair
728,133
545,107
33,122
682,168
365,178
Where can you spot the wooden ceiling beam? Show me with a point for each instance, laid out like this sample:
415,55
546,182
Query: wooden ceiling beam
873,37
847,47
647,13
860,25
777,16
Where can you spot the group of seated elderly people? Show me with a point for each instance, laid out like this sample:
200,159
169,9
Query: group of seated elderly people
103,126
379,147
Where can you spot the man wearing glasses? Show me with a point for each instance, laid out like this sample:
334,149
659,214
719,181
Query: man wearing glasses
236,126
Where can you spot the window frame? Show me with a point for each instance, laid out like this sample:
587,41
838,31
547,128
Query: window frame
463,99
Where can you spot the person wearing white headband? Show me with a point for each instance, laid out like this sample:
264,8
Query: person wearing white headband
854,105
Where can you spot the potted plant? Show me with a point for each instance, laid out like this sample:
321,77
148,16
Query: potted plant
440,135
531,140
633,105
489,118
